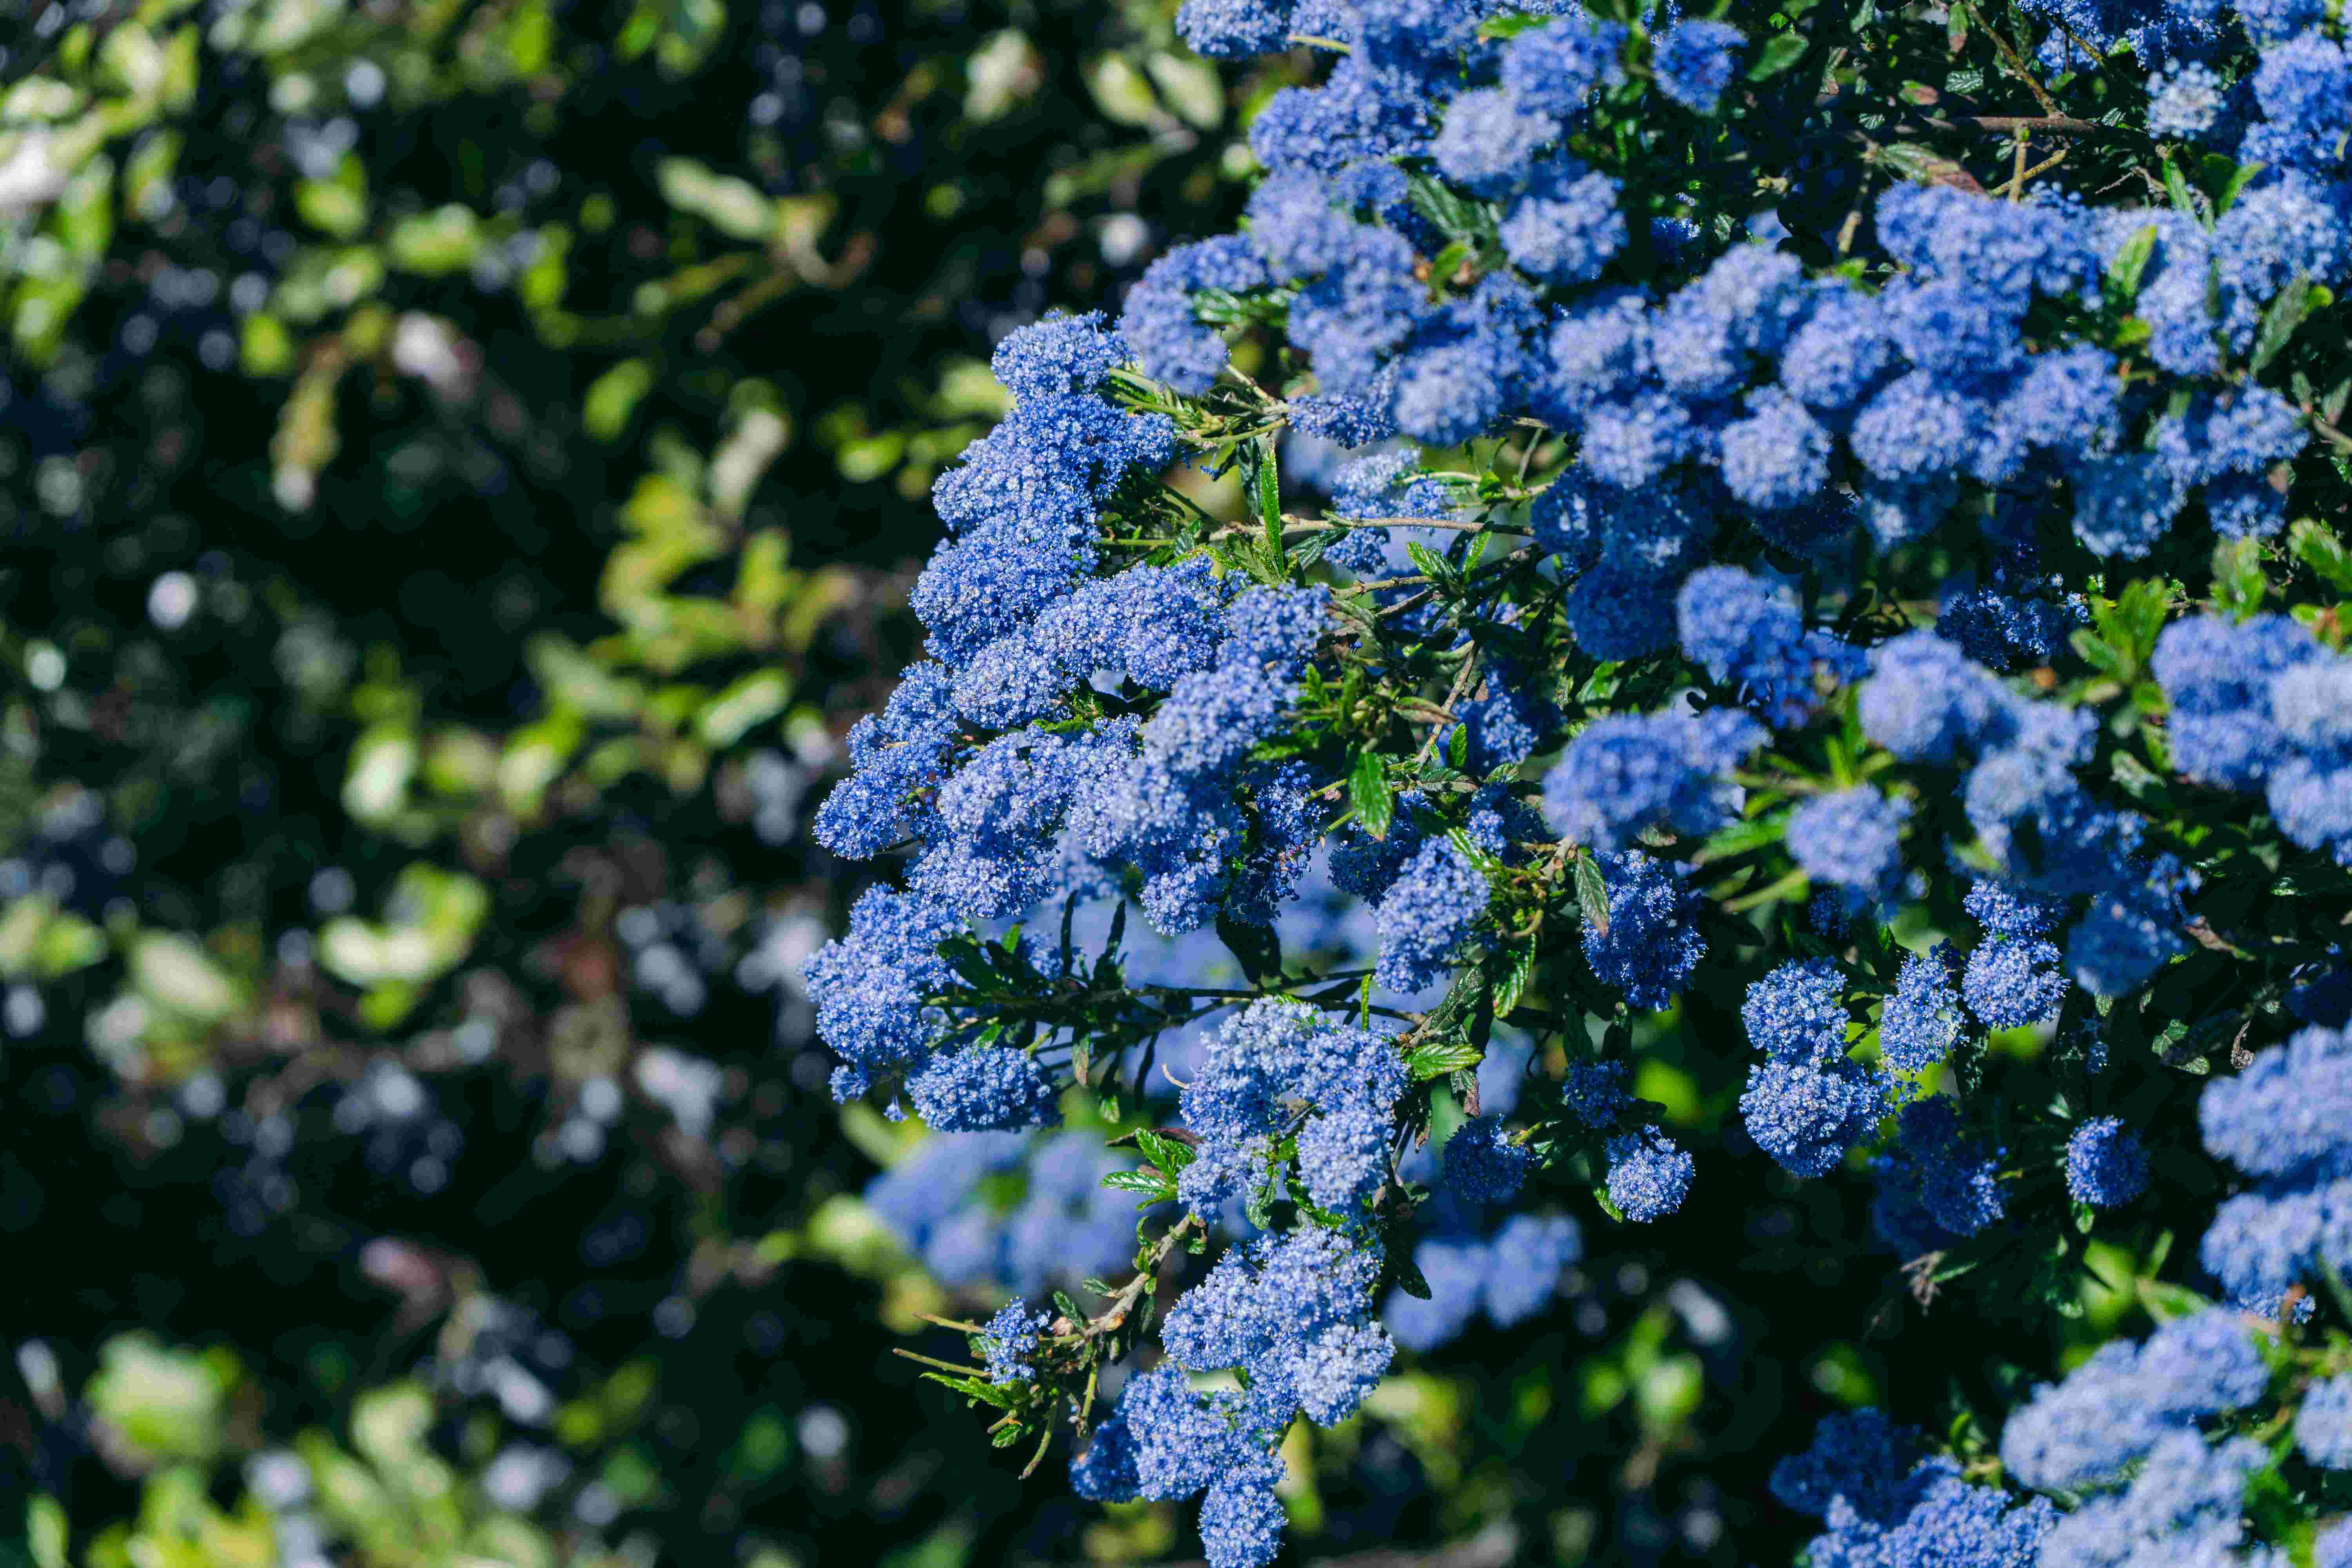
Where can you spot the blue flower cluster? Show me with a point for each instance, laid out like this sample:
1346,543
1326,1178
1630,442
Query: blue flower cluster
1775,592
2286,1121
1277,1071
1293,1314
1011,1340
1927,704
1651,942
1884,1499
1936,1184
1807,1102
2262,705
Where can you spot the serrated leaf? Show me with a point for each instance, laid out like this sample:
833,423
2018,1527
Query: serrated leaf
1152,1184
1170,1154
1408,1277
1591,895
1457,747
984,1392
1516,976
1432,566
1368,792
1435,1059
2293,307
1782,51
1269,501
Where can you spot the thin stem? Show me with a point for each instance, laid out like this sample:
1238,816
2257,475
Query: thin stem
1461,690
2017,63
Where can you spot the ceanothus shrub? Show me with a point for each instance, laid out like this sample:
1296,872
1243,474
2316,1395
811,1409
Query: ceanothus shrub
1804,544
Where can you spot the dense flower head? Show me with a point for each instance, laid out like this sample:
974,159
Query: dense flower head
1010,1338
1695,61
1807,1115
2322,1429
1651,942
1797,1012
1649,1175
2105,1165
1626,773
1851,838
1429,909
1921,1021
2013,982
1483,1164
1883,1501
1937,1184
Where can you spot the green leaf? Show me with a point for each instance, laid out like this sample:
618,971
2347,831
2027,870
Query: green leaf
2176,184
1509,26
2316,545
614,396
2238,582
2124,274
1436,567
1591,895
1435,1059
1408,1277
2129,624
1516,976
45,1532
1152,1185
1170,1154
1269,498
731,206
1782,51
1457,747
984,1392
2293,307
2235,183
1367,791
1257,947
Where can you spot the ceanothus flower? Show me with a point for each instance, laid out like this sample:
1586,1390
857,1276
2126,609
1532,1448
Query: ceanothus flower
1922,1021
2106,1166
2322,1429
1696,61
1851,838
1649,1175
1651,942
1010,1340
1428,910
1625,772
